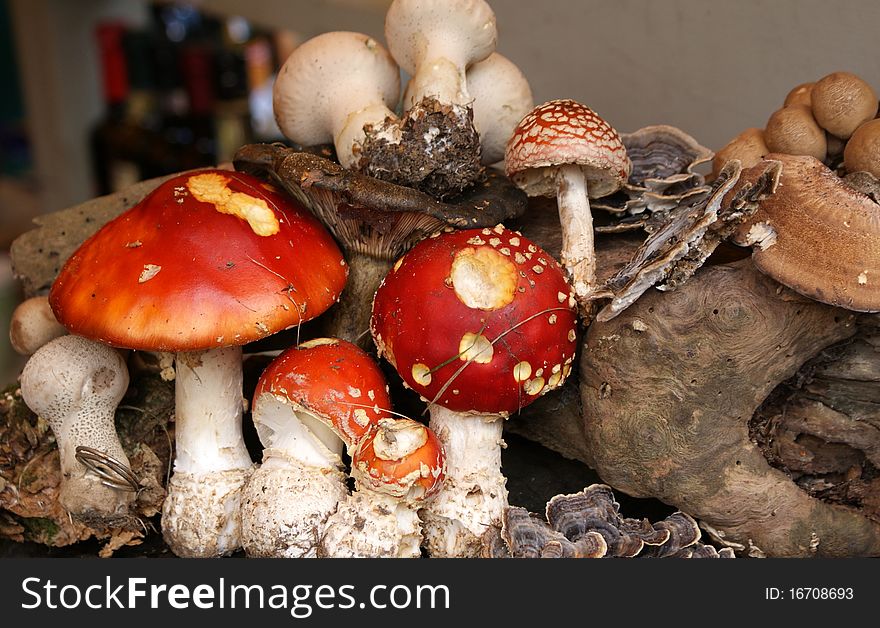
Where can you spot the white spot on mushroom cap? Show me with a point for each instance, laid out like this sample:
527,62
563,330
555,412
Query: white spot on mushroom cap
474,347
149,271
863,278
421,374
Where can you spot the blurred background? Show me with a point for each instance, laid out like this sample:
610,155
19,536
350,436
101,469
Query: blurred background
98,94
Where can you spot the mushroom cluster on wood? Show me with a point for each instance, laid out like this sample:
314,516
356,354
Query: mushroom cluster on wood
480,323
720,344
564,149
249,261
588,524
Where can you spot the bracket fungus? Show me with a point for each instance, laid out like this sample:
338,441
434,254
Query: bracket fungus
480,323
397,465
375,222
564,149
310,402
667,406
209,261
435,41
75,384
816,234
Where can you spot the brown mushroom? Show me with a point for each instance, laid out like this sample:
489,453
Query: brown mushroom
794,131
749,147
799,95
816,235
841,102
862,152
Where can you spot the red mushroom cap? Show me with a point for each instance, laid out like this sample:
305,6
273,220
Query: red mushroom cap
334,380
209,259
486,302
563,132
400,457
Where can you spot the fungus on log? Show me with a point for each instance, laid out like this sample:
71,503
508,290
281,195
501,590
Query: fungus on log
667,405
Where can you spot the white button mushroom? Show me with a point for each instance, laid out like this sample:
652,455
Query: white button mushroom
33,325
331,87
75,384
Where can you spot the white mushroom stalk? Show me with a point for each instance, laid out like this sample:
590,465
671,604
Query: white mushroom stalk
75,384
396,467
335,88
201,513
310,401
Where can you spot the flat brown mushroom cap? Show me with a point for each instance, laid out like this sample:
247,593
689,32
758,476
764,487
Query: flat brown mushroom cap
827,235
175,273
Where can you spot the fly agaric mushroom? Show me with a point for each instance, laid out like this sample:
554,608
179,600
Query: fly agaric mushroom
209,261
75,384
333,88
862,151
565,149
435,41
815,234
502,97
33,325
396,466
374,221
841,102
310,401
480,323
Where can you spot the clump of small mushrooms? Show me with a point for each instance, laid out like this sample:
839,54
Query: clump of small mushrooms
832,120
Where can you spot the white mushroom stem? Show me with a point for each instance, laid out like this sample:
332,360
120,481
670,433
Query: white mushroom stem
474,496
371,524
299,485
578,254
75,384
200,516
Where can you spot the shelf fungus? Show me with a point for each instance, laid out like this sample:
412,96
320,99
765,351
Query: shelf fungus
248,261
685,388
480,323
816,234
375,222
688,236
588,524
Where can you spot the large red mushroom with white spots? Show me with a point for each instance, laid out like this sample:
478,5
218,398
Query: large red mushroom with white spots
209,261
480,323
564,149
312,400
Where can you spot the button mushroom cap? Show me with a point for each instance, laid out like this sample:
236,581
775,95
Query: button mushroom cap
564,148
435,41
33,325
310,400
799,95
209,261
792,130
486,302
816,235
75,384
331,86
862,151
841,102
502,97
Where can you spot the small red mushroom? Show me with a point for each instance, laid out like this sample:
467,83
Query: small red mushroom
564,149
209,261
309,402
396,466
480,323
